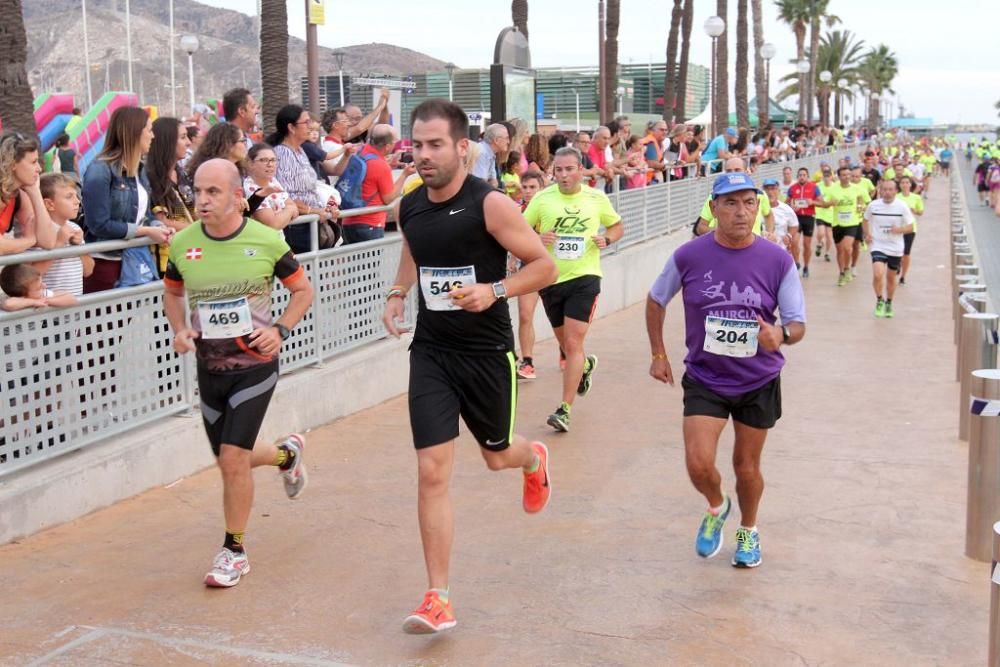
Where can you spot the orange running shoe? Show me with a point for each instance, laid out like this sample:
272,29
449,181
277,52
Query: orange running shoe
431,616
537,485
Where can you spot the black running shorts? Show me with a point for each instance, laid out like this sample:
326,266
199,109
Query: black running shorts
760,408
444,385
575,299
908,240
892,262
807,224
841,233
233,404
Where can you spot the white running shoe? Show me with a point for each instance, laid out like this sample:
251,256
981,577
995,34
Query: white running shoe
295,478
227,569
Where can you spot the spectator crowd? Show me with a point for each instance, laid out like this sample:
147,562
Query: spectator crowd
140,186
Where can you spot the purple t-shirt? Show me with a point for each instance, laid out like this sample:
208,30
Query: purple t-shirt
720,282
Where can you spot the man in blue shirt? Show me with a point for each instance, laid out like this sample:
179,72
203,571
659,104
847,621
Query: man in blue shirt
495,142
718,148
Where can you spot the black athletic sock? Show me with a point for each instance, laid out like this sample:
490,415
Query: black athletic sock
234,542
888,302
529,361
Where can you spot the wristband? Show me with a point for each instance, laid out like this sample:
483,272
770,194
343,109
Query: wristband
661,355
395,290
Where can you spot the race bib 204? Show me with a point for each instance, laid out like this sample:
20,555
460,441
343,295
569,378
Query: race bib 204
731,338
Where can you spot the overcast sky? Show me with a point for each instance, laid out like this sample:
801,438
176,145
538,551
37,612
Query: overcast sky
945,50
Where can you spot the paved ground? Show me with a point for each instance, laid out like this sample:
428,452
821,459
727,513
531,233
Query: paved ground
862,527
985,228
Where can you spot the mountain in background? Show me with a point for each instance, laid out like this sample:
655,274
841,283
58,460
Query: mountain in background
228,55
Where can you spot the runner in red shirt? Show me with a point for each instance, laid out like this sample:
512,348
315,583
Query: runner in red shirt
802,197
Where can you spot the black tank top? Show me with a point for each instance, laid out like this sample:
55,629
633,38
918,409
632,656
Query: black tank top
450,244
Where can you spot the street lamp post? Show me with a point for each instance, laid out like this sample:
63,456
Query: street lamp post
451,67
86,58
173,77
714,27
825,77
767,52
855,91
577,95
128,43
190,44
339,55
621,100
802,67
841,87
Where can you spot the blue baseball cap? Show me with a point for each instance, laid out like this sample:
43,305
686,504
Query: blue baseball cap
731,131
735,181
768,182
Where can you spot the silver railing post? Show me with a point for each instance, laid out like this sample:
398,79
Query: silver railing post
961,304
982,509
994,651
960,281
977,350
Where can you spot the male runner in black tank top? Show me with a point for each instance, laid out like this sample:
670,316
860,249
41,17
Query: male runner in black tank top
457,231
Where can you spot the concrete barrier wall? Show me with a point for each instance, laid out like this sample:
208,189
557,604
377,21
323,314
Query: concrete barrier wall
85,480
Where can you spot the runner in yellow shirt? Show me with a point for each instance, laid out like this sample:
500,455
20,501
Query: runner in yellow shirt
824,218
916,204
570,216
869,193
846,198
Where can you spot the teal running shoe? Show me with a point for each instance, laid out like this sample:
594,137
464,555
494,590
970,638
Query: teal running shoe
747,548
709,540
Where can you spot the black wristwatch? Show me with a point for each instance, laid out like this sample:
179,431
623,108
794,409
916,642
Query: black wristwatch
786,335
283,331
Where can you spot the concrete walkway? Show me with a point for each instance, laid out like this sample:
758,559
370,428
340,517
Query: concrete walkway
985,229
862,528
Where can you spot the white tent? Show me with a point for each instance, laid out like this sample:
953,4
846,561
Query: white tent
704,118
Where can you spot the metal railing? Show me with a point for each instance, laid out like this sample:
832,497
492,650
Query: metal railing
70,377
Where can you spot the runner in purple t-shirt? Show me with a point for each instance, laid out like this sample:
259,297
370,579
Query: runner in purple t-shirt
731,283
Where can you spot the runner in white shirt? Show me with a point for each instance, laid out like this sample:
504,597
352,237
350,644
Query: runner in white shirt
885,221
786,223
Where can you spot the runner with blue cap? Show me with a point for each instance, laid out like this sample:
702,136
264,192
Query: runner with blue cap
731,282
786,223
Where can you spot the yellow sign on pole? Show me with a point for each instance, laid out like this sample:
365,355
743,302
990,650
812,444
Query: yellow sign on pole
317,15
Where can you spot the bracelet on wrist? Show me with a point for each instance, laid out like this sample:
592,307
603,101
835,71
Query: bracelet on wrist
395,291
661,355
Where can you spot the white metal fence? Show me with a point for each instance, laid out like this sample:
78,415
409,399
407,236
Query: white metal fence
74,376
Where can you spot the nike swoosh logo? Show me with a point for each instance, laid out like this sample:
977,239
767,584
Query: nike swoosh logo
453,213
494,444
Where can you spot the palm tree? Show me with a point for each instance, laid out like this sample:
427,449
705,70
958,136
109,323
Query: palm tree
16,103
519,14
273,59
839,54
742,66
796,14
611,56
670,75
817,16
876,73
721,86
759,79
682,74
